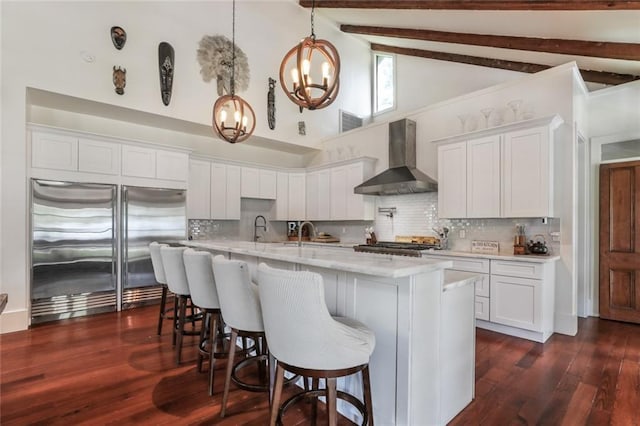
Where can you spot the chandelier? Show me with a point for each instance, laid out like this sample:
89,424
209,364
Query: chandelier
314,79
233,117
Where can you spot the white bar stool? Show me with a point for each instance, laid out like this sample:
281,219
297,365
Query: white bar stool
204,295
306,340
158,272
176,276
240,305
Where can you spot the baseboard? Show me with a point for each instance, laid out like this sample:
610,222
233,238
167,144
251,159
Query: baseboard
566,324
11,321
513,331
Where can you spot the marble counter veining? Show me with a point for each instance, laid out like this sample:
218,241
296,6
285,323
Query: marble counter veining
500,256
330,258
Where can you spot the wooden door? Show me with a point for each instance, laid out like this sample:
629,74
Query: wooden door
620,241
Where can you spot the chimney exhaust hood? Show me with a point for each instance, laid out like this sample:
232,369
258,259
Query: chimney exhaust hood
402,176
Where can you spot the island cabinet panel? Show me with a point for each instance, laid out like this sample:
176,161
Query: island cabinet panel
53,151
199,190
98,157
375,302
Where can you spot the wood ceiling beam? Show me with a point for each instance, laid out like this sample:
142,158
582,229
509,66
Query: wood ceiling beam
588,75
597,49
477,4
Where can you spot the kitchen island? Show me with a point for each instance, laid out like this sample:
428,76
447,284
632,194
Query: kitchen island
423,365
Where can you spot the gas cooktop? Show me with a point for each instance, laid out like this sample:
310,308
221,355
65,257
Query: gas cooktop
397,248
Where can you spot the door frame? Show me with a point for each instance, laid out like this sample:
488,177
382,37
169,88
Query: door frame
594,171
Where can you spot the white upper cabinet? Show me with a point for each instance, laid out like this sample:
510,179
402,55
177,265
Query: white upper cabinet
282,196
258,183
54,151
319,195
359,207
225,191
527,189
452,180
483,177
172,165
339,193
138,161
199,190
505,171
98,157
297,196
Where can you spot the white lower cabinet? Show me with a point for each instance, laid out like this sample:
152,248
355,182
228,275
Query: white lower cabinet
513,297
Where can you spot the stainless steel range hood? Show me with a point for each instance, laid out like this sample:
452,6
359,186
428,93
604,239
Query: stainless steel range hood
402,177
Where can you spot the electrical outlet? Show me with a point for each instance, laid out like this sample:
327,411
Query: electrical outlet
344,230
555,236
462,233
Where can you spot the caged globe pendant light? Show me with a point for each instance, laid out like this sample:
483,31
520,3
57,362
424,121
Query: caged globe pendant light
314,79
233,117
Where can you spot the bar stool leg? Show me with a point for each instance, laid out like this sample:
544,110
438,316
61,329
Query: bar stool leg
366,394
332,410
163,303
315,384
175,319
180,332
227,380
213,335
277,393
203,332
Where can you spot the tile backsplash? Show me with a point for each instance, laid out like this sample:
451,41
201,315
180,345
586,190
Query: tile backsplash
417,214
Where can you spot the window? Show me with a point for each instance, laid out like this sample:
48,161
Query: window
384,81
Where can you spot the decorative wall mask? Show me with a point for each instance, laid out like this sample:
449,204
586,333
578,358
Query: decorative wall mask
118,37
214,57
302,128
165,66
271,104
119,79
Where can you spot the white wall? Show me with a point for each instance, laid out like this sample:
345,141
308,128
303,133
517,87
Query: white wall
41,46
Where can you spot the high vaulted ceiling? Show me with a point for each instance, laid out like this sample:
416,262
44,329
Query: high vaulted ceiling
601,36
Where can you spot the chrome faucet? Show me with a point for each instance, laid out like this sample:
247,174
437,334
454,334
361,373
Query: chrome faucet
256,226
313,229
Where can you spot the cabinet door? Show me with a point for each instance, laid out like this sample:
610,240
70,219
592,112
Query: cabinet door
338,193
483,177
98,157
233,192
452,180
516,302
482,308
527,179
297,196
172,165
324,195
250,183
199,190
268,184
312,196
282,196
138,161
359,207
218,198
50,151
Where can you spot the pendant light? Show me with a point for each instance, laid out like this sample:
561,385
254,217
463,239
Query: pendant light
233,117
314,78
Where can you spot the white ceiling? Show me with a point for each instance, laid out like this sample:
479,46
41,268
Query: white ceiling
597,25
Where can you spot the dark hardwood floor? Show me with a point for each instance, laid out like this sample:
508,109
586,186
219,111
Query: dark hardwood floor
113,369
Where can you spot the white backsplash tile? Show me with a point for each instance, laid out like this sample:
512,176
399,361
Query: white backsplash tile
417,214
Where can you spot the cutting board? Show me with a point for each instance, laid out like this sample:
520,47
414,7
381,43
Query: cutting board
325,239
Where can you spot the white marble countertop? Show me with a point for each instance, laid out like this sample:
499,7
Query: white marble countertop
501,256
327,257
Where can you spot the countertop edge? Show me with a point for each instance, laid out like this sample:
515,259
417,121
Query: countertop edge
520,258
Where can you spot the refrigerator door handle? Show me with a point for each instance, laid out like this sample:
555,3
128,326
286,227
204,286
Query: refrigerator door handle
125,237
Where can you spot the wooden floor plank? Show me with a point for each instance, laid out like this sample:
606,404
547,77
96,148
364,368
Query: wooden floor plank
113,369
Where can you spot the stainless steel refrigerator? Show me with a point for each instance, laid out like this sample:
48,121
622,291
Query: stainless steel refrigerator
89,253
